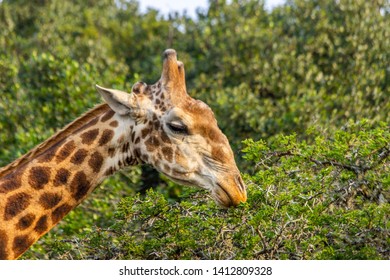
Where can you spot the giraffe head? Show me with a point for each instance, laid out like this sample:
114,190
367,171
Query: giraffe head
177,134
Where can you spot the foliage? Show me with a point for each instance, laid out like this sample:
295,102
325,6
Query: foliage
307,84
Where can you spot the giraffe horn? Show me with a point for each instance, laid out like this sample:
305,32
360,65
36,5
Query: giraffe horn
173,76
182,74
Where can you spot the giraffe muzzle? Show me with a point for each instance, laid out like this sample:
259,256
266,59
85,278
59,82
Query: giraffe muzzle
230,192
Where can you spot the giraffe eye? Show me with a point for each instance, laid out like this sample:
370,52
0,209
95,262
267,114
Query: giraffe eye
178,128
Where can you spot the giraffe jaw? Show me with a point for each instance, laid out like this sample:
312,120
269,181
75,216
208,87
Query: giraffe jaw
224,194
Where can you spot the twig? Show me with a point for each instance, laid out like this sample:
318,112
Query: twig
357,169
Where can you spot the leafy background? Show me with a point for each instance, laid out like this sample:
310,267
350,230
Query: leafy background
302,93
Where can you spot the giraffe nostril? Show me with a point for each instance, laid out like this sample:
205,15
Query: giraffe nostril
240,183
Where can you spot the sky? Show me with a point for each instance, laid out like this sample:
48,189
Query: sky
166,6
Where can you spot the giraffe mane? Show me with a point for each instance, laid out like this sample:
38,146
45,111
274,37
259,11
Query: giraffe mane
56,138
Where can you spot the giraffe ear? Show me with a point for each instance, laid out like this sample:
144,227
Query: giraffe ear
121,102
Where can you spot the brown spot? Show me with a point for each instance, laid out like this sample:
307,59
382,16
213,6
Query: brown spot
132,136
65,151
106,137
125,147
130,161
79,185
21,244
109,171
49,200
89,136
151,143
79,156
91,123
16,204
61,177
60,212
39,177
145,132
156,125
111,152
3,245
137,140
49,154
168,153
165,138
137,152
107,115
114,123
25,221
157,101
96,161
41,225
10,185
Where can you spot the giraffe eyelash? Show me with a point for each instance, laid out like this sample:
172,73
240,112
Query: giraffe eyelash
178,128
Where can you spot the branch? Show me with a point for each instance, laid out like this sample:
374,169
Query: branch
357,169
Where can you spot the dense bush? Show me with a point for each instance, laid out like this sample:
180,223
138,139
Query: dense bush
306,84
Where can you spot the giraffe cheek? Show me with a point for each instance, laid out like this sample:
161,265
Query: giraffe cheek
151,143
167,153
180,159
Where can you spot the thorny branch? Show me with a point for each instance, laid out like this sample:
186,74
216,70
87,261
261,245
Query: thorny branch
384,153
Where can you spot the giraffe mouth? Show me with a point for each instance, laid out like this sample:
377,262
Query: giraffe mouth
227,195
222,197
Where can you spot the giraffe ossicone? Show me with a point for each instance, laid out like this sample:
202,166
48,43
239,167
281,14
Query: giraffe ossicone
157,124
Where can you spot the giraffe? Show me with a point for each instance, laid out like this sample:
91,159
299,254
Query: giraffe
157,124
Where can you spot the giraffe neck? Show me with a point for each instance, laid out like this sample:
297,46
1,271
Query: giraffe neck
40,188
